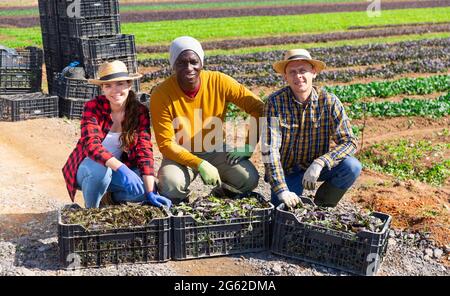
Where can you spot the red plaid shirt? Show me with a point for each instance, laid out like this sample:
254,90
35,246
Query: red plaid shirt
95,124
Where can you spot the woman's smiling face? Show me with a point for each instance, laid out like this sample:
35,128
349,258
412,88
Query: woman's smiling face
116,91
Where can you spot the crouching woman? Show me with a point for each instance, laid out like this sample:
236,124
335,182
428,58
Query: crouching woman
114,153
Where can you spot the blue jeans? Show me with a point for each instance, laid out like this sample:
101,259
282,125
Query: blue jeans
95,180
341,176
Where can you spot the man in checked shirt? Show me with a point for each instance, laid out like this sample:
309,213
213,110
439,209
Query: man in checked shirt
301,121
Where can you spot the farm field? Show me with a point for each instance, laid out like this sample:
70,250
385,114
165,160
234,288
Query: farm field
391,72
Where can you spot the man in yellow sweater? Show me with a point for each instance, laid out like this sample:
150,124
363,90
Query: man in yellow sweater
186,109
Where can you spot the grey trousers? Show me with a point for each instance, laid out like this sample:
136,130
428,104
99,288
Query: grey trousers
174,179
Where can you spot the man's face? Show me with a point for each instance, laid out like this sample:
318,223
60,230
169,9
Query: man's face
299,75
187,67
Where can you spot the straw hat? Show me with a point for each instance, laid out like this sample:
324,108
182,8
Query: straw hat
297,55
113,71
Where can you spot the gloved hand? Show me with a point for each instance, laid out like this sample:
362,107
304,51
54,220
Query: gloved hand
158,200
311,175
209,173
289,198
239,154
130,180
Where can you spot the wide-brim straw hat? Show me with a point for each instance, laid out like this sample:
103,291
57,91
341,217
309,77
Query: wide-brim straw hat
113,71
297,55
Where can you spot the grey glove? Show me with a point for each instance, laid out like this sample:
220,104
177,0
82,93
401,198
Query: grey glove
289,198
311,175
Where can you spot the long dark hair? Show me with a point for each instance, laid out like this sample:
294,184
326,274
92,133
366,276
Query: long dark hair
131,121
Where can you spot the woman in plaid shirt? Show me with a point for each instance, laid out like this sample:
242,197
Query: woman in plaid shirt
114,153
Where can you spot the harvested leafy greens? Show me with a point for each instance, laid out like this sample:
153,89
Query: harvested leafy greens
350,221
214,208
112,217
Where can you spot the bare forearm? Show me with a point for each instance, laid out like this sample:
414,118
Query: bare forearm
149,183
113,163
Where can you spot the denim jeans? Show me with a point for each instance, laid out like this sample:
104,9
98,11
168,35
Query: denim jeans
341,176
95,180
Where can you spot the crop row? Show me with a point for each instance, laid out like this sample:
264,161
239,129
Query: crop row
256,69
310,38
331,55
385,89
342,75
347,75
407,107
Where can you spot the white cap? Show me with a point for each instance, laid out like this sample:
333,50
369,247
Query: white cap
183,43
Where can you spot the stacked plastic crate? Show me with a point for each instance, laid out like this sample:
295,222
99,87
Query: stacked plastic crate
20,70
50,40
20,86
88,31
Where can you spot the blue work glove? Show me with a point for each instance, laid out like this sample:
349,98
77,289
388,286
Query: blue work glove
130,180
158,200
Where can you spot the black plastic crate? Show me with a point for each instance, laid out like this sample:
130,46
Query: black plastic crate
91,66
96,248
193,239
47,8
136,85
78,89
27,58
51,72
144,98
69,49
360,253
49,26
27,106
89,8
80,27
71,108
107,47
20,80
51,45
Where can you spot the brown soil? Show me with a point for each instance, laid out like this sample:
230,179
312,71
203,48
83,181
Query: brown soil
413,205
213,266
401,97
378,130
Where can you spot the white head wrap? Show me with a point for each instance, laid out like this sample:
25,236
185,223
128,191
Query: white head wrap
183,43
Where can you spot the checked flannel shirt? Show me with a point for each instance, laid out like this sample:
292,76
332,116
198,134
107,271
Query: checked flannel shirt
95,124
296,134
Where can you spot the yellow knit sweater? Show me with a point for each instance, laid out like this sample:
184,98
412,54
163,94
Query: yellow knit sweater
168,102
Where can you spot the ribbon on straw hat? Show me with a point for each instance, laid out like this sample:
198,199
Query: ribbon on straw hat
113,71
297,55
